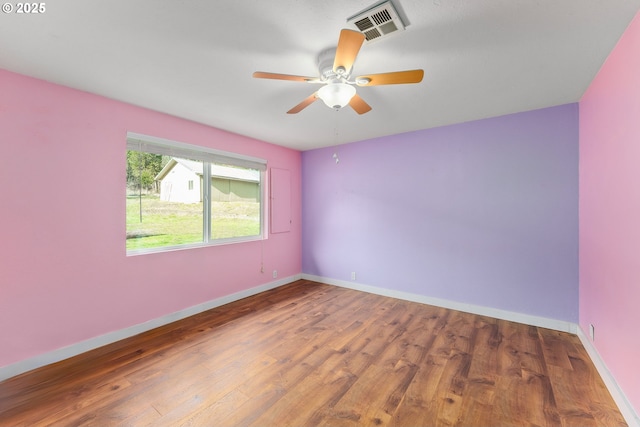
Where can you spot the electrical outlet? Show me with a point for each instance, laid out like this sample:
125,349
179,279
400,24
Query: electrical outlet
592,332
353,275
275,274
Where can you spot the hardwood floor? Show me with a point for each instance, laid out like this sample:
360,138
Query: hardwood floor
309,354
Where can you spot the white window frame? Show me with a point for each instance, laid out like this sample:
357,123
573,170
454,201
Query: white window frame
152,144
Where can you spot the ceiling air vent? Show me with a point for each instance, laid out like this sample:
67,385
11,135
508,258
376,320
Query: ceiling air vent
377,21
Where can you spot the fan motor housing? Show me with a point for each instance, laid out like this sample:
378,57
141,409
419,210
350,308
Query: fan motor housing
325,64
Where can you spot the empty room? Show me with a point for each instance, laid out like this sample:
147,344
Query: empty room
301,213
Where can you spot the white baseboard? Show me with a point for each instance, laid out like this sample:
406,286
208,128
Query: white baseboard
73,350
99,341
617,394
541,322
623,403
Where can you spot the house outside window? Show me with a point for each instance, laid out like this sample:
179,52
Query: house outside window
169,206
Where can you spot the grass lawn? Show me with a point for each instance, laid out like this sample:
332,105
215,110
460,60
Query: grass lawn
170,223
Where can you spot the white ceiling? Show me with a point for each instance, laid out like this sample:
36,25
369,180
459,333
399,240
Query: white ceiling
194,59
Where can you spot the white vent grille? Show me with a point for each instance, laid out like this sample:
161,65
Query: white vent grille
377,21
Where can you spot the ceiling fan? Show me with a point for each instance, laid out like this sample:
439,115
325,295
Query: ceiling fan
335,71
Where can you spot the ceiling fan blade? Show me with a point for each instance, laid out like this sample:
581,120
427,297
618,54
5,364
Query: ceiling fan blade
276,76
349,45
304,104
359,105
394,78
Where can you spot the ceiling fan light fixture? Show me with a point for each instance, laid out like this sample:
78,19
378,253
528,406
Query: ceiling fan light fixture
334,66
336,95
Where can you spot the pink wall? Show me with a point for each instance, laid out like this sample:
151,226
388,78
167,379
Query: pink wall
64,273
609,211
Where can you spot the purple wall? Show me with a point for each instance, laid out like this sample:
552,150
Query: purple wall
484,212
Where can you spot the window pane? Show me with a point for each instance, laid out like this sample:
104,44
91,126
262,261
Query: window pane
235,202
164,201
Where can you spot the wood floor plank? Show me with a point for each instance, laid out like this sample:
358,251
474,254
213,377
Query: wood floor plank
313,354
324,386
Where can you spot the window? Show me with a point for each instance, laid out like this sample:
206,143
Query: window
180,195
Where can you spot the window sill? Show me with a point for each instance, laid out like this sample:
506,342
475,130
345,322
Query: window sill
219,242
